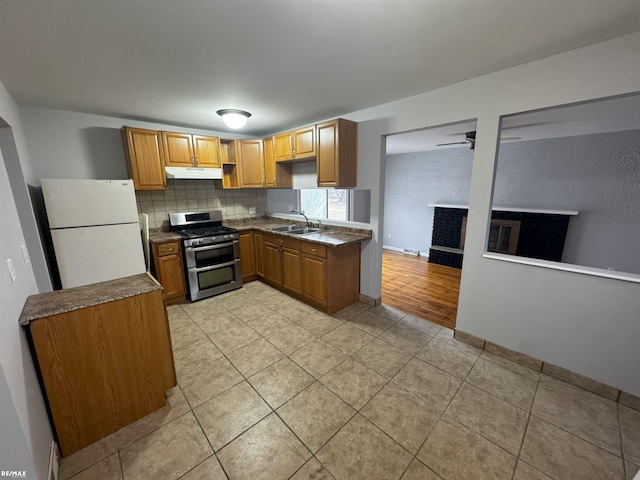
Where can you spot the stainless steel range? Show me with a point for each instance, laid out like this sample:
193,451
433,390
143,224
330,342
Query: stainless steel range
211,252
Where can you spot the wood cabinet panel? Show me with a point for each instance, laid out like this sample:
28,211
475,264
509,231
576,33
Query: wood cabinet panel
304,142
269,163
272,261
283,146
104,367
145,158
169,270
259,245
337,153
247,257
178,149
251,162
292,270
314,279
206,151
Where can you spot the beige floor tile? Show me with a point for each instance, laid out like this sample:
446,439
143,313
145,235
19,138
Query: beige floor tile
402,415
254,357
235,299
630,401
447,335
315,415
503,383
280,382
296,311
318,357
176,406
516,367
496,420
268,451
389,312
186,335
630,429
251,311
428,382
448,358
269,322
210,469
229,414
107,469
291,338
208,381
353,310
347,338
631,470
570,390
206,305
420,324
194,355
211,325
563,455
525,471
178,321
419,471
382,357
320,323
313,470
353,382
277,301
235,337
88,456
169,452
454,451
361,451
581,381
405,338
594,419
371,323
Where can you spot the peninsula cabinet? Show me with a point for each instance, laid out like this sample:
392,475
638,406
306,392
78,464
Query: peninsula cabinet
297,145
145,158
186,150
337,153
168,269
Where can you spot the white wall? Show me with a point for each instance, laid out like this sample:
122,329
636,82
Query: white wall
24,417
597,174
584,323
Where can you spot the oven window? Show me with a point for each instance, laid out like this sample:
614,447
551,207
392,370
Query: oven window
216,277
215,256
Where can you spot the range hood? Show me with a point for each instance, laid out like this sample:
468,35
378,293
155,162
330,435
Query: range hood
194,173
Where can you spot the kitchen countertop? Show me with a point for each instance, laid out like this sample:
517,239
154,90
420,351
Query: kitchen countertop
69,299
162,237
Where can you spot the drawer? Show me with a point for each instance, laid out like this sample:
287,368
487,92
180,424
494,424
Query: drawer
291,243
313,249
168,248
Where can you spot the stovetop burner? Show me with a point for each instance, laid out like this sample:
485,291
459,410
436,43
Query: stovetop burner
205,232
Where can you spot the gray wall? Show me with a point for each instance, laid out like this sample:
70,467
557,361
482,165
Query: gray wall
598,175
414,180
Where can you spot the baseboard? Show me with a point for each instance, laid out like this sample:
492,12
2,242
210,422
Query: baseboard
393,249
406,251
54,462
370,300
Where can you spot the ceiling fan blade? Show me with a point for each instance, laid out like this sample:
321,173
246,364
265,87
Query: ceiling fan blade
452,143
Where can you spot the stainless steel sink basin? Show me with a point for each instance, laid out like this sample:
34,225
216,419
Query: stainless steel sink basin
294,229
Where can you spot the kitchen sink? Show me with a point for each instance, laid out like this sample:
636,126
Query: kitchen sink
294,229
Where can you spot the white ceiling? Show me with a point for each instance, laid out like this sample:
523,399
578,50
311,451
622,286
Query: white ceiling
288,62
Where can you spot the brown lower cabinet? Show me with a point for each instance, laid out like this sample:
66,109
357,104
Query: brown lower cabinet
326,277
168,269
248,256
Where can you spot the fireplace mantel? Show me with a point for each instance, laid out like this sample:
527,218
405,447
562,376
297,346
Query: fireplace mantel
570,213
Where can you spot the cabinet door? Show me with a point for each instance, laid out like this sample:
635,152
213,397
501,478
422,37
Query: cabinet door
251,163
206,151
292,270
178,151
327,154
259,245
283,146
269,163
247,256
337,153
145,158
304,142
171,275
272,262
314,279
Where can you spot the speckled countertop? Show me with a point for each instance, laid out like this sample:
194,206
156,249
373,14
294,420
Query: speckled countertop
162,237
70,299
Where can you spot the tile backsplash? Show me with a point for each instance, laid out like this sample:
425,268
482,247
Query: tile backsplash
199,195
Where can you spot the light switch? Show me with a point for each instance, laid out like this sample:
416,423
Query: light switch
25,254
252,210
12,271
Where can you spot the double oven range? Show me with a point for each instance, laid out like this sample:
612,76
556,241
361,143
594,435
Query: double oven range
211,252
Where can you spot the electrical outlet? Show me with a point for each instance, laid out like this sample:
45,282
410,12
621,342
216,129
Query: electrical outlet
25,254
252,210
12,270
389,236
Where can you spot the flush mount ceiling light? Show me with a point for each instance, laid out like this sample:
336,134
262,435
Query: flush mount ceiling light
234,119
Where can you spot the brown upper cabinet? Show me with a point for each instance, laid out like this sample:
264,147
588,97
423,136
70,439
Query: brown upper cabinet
337,153
296,145
276,175
186,150
145,158
251,163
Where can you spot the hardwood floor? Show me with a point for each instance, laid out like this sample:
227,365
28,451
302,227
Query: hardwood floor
420,288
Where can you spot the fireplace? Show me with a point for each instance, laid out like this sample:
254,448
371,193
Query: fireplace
529,233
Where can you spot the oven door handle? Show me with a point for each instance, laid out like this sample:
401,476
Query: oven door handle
214,267
210,247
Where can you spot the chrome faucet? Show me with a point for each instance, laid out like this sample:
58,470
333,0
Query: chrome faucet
301,213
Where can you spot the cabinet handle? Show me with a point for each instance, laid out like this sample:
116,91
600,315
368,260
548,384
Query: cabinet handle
293,153
195,161
324,265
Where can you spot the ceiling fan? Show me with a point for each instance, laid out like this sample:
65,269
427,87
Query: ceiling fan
470,138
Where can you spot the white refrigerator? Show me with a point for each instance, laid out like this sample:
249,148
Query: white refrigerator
94,228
